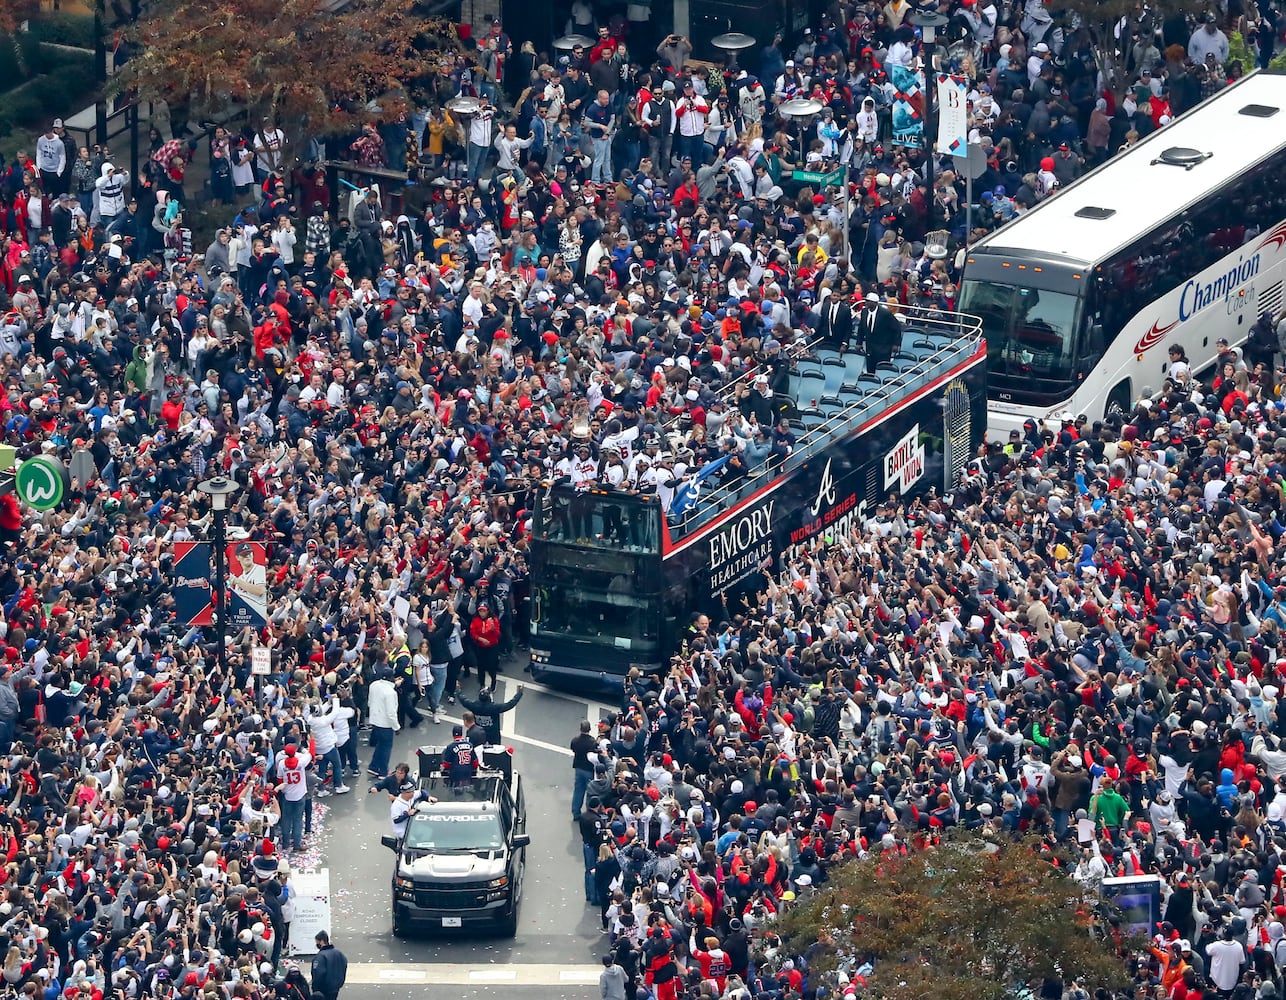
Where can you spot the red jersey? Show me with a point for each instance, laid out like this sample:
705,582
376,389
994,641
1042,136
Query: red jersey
715,965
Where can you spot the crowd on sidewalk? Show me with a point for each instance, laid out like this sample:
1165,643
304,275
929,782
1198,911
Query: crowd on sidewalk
1092,623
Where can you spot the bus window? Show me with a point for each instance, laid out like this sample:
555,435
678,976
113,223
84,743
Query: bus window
1091,348
609,519
1031,332
601,607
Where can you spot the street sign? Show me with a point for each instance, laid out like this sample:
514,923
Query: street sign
41,482
83,469
813,177
975,163
312,910
260,661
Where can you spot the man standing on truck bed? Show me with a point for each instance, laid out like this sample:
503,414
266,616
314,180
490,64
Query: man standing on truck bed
488,711
459,761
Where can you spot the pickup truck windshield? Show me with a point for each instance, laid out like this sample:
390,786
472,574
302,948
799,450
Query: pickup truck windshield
454,832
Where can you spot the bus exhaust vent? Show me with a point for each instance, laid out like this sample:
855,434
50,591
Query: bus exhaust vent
1095,213
1258,111
1181,156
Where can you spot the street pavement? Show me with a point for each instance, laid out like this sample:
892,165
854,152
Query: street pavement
559,940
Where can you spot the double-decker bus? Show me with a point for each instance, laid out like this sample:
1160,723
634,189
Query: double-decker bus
1179,240
616,578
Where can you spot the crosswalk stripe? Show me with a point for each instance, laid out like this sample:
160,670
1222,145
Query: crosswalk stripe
448,974
530,741
508,721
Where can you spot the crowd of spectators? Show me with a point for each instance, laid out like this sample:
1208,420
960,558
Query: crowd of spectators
1083,642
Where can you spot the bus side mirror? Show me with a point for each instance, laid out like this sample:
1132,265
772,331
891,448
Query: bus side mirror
389,841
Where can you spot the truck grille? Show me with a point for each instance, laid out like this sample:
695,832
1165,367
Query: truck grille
455,898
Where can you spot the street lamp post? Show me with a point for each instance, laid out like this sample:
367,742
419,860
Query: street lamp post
220,490
930,22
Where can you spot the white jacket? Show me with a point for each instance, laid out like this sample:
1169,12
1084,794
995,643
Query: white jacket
322,726
284,240
111,190
382,705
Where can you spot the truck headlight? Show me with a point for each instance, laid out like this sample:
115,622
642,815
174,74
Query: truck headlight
403,885
498,883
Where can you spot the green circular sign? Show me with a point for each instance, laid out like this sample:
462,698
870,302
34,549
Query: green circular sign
41,482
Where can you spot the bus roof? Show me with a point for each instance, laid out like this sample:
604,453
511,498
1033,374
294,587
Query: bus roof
1141,192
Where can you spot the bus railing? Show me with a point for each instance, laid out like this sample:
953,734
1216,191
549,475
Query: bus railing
935,320
965,334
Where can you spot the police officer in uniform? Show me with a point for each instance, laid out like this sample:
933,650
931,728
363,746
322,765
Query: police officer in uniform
408,689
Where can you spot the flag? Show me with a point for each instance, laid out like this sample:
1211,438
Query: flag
710,468
685,497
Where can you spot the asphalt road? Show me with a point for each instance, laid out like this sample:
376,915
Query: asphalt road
559,941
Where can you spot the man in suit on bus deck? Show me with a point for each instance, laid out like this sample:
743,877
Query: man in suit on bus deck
835,324
879,330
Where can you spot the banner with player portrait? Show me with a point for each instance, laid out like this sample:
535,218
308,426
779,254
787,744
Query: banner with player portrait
246,569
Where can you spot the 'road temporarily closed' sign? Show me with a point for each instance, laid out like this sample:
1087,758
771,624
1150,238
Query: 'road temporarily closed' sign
312,910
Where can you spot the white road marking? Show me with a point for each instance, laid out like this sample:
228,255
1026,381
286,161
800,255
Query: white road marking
448,974
508,720
566,696
492,975
530,741
402,975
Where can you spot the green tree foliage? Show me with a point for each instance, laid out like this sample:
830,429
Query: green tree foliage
965,921
1239,51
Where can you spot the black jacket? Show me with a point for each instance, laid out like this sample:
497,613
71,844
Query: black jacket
835,322
440,639
488,713
883,339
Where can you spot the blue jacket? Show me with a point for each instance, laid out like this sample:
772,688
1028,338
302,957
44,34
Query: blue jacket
329,971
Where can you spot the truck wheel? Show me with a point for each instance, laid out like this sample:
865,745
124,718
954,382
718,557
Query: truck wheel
509,925
399,926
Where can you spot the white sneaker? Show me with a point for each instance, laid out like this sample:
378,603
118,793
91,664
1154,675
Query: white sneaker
437,717
340,790
322,793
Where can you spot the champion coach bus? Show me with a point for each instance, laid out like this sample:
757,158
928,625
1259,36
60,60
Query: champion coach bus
617,577
1180,240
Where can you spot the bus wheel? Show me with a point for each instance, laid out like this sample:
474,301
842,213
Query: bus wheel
1119,398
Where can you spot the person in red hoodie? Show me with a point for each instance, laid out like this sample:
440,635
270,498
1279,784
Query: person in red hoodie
268,336
485,632
172,409
10,519
605,47
688,189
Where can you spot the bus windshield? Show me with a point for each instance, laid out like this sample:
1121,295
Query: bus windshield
597,605
1031,332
